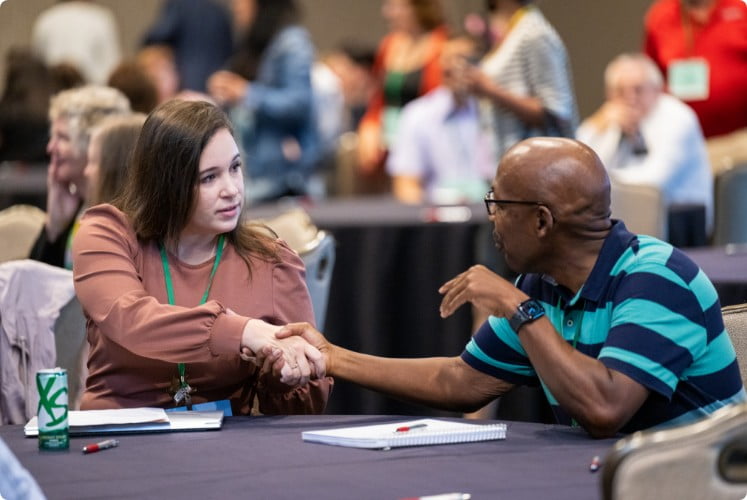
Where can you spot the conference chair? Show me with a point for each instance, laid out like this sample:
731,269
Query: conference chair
317,250
71,347
19,227
32,296
706,459
735,321
731,206
642,208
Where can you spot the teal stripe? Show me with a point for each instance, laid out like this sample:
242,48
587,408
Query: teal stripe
642,363
704,291
719,355
663,321
525,371
650,253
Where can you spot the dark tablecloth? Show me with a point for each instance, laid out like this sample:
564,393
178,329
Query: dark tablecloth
726,267
264,457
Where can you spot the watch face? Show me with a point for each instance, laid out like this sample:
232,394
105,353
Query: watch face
532,309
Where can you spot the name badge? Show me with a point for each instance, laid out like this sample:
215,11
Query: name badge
688,79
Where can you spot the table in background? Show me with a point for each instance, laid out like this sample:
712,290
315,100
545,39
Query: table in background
264,457
726,267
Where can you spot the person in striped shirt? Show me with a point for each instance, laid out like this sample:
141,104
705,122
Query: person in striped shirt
623,331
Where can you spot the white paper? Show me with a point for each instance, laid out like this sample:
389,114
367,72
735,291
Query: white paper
386,435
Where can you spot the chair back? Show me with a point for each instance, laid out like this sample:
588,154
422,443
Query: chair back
72,349
704,459
735,321
642,208
317,250
731,206
19,227
320,262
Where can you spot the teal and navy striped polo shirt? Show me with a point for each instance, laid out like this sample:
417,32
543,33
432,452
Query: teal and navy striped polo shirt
646,311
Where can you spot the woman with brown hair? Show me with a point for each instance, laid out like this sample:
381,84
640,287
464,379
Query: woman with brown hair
175,285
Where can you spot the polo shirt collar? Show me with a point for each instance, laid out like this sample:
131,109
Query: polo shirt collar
615,244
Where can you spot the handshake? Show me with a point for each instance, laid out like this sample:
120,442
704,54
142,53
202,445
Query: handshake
291,355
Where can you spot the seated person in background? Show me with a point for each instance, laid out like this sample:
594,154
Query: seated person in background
624,332
442,153
174,284
645,136
130,78
72,114
109,154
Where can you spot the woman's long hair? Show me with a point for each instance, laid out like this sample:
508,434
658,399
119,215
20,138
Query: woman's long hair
271,17
161,194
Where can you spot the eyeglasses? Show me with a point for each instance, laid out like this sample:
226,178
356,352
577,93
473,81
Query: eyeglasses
492,204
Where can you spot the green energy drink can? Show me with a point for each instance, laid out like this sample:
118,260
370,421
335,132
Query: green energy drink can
52,410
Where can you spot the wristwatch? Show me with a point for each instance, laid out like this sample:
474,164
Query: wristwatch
528,311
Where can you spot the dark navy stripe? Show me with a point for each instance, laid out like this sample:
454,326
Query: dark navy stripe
721,384
683,266
640,376
714,320
651,344
493,346
511,377
658,289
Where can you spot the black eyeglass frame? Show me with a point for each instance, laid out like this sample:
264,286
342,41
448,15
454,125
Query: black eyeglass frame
489,200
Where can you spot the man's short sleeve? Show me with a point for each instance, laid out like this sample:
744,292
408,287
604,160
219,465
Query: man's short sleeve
496,351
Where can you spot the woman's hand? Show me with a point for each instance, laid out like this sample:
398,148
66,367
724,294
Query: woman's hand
63,200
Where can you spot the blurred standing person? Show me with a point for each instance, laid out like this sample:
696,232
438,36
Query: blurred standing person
72,115
526,76
701,48
268,89
407,66
200,34
80,33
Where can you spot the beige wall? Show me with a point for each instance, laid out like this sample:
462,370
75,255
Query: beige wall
593,30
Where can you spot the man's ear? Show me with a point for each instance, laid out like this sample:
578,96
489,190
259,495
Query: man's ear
545,221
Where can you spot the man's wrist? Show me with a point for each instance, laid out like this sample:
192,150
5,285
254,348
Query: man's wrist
526,312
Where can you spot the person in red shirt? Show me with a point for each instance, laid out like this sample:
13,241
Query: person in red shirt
701,47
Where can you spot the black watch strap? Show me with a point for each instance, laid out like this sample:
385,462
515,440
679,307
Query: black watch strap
528,311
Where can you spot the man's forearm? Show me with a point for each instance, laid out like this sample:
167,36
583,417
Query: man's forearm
434,382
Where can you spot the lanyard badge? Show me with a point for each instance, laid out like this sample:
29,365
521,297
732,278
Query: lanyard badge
180,390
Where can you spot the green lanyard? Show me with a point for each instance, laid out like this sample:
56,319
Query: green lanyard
184,387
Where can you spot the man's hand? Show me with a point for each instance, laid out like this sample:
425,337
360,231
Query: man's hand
293,360
487,291
310,335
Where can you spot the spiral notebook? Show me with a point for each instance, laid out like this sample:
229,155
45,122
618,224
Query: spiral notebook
423,432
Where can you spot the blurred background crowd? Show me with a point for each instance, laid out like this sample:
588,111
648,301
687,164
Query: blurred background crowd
418,98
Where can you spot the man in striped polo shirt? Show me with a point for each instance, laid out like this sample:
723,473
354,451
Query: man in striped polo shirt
624,332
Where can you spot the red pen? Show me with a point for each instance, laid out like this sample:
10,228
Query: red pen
410,427
103,445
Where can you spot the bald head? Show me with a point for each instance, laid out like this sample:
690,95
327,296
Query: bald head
566,175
